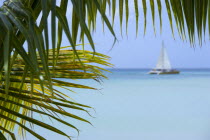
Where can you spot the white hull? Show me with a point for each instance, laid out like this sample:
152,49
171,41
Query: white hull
164,72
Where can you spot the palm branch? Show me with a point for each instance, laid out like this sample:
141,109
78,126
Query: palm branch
25,94
29,73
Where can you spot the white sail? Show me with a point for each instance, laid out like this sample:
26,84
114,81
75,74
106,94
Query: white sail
163,61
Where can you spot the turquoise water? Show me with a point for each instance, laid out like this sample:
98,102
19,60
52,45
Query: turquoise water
136,106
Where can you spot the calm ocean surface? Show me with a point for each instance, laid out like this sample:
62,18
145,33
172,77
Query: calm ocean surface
133,105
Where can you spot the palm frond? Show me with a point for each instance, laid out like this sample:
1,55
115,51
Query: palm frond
25,94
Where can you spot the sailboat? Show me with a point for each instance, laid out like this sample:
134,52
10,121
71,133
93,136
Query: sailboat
163,66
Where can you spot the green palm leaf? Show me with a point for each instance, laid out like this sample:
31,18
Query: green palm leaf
29,99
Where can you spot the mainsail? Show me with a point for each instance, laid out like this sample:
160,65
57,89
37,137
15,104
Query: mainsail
163,61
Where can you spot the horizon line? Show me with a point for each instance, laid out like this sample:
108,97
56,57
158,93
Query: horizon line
152,68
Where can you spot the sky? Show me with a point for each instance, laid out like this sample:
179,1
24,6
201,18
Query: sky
143,51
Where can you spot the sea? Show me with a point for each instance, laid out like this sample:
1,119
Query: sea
133,105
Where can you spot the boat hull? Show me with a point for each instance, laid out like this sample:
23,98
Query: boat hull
164,72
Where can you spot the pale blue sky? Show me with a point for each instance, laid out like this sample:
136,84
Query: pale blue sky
143,51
